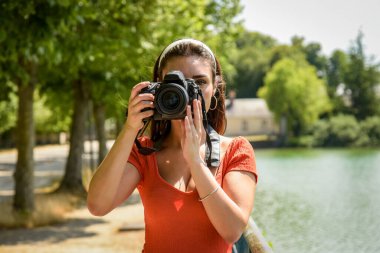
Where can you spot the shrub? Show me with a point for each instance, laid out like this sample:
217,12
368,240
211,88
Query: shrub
320,132
344,130
371,126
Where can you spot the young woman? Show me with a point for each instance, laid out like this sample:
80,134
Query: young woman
191,203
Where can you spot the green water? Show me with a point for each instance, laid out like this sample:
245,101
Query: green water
319,200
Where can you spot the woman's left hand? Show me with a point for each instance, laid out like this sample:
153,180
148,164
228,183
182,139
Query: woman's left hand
193,134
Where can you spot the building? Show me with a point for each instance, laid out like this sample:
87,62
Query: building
250,117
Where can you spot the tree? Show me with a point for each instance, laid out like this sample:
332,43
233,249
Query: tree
313,54
93,50
294,91
26,30
360,80
252,62
335,72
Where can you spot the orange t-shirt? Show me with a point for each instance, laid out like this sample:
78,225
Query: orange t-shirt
176,221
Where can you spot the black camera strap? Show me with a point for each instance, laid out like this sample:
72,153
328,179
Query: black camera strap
144,150
212,139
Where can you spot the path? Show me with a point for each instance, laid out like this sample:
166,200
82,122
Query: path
81,232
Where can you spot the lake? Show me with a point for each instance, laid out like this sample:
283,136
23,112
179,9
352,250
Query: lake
319,200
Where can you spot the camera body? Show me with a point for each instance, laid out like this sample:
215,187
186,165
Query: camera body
172,95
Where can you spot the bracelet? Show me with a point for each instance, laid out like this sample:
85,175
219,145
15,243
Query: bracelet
208,195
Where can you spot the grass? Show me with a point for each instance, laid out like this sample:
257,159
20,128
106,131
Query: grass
50,208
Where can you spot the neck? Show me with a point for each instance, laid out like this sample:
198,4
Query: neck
173,140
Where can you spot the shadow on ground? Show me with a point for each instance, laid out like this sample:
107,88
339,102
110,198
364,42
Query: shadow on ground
72,228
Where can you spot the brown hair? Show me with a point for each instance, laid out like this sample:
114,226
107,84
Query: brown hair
216,118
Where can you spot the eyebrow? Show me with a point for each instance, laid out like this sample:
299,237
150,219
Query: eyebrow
200,76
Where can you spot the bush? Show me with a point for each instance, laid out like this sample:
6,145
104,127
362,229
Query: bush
320,133
371,126
344,130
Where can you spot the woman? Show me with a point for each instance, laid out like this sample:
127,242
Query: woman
189,205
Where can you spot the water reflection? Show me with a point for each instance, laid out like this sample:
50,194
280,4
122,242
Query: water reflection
319,200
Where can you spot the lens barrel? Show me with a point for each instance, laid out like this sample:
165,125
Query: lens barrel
171,101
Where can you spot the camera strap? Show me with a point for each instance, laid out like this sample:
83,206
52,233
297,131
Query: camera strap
213,149
144,150
212,139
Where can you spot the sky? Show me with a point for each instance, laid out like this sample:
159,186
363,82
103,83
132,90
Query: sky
332,23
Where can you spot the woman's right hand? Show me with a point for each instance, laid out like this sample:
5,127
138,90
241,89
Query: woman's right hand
115,179
138,102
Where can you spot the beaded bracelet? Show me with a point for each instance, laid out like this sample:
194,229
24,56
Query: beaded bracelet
208,195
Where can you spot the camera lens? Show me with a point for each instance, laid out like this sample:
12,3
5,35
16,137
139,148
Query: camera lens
171,101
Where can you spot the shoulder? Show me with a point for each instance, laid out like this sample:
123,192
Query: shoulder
239,155
225,142
239,142
236,148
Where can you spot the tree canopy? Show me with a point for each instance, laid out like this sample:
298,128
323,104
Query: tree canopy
294,91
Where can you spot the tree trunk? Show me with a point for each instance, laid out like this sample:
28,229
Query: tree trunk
72,180
100,119
23,201
283,130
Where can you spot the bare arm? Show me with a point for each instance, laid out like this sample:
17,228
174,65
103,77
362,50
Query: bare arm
229,208
115,179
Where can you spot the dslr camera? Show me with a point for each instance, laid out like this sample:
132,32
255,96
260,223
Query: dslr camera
172,95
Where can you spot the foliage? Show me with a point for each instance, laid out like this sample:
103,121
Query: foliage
312,52
8,109
293,90
371,126
28,31
342,131
50,119
110,44
252,62
360,80
336,69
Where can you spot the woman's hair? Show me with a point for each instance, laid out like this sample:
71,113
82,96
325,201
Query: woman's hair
189,47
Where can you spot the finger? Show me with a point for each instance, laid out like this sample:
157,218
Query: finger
188,131
200,109
146,114
141,97
143,105
137,88
200,113
139,115
197,116
188,113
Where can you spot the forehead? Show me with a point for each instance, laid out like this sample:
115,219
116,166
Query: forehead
190,66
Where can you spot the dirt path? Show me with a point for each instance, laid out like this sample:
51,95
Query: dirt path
81,233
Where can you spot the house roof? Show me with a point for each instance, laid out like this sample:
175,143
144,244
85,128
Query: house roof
243,107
